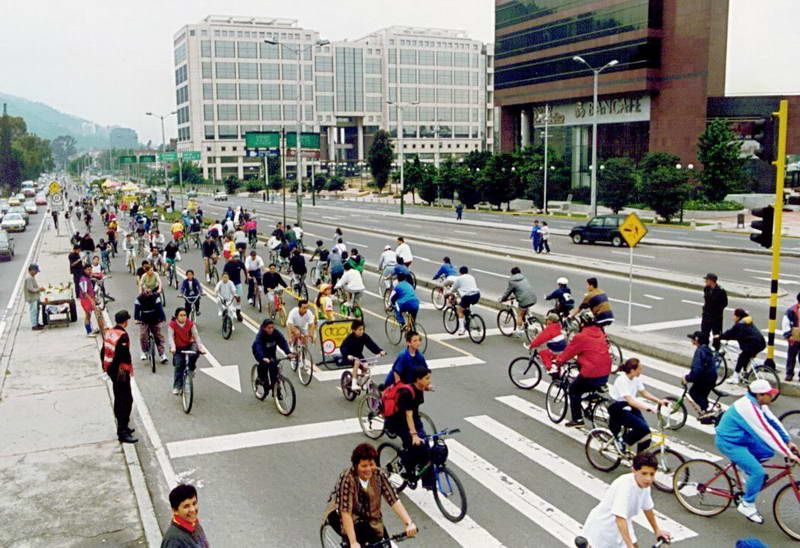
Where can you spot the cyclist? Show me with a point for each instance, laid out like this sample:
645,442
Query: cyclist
400,268
195,227
254,265
215,230
386,264
466,288
240,240
553,337
210,253
264,348
157,240
703,374
156,259
407,361
298,265
172,253
320,253
272,279
228,247
111,234
229,226
447,269
234,269
278,232
129,247
87,298
298,232
354,506
177,228
404,251
105,255
596,300
301,324
251,228
563,297
749,434
87,247
324,304
750,340
356,261
190,287
626,411
291,237
335,265
404,299
520,288
352,350
226,292
183,336
610,523
590,347
337,235
342,248
148,311
789,328
352,283
149,279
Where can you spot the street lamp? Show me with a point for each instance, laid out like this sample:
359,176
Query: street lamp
690,167
299,53
400,142
163,142
597,72
546,119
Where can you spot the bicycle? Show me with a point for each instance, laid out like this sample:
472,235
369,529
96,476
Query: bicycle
256,292
507,321
303,363
474,324
364,379
348,308
130,262
676,413
252,240
594,403
282,390
447,486
706,489
526,371
187,382
276,308
331,539
396,332
319,273
569,326
299,286
750,372
605,453
370,412
102,297
172,274
438,297
791,422
228,313
213,273
152,351
194,237
183,245
192,306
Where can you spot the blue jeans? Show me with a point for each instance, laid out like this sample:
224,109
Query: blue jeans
33,310
410,307
621,414
748,463
181,361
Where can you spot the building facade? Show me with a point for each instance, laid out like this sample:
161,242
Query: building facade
230,81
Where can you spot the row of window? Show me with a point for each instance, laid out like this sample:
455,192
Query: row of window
230,131
436,95
255,71
181,75
230,112
185,133
183,115
182,95
433,77
250,92
254,34
435,44
436,114
432,132
254,50
434,58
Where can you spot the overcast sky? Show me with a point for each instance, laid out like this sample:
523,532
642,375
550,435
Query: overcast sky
109,62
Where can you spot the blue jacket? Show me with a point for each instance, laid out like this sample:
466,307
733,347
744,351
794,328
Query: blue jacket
401,269
265,346
403,293
190,288
536,232
444,271
703,367
404,365
564,297
753,426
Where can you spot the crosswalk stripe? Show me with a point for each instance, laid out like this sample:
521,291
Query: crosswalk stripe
658,326
376,370
565,470
490,332
558,524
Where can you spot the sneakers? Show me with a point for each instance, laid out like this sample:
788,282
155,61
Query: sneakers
208,279
219,313
250,302
572,424
354,386
735,378
163,358
461,332
143,357
621,445
176,391
787,378
40,327
749,510
239,315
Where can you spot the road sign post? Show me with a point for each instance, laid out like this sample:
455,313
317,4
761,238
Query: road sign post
632,230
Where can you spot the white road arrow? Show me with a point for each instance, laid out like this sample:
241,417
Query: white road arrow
226,374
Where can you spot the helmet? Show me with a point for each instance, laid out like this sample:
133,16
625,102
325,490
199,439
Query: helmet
562,281
585,318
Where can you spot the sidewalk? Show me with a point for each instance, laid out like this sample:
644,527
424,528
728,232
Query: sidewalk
64,480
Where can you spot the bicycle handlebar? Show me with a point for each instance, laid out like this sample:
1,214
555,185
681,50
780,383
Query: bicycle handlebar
400,537
442,434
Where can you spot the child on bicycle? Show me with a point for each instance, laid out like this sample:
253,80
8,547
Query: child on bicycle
553,337
324,304
703,374
226,292
191,291
353,351
404,299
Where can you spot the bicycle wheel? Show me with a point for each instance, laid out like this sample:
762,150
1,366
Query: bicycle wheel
305,370
722,368
702,487
387,298
257,300
525,372
370,416
766,373
328,536
302,290
668,462
427,424
227,326
791,422
449,495
393,330
214,276
101,298
423,335
616,354
476,328
506,322
413,280
152,352
259,390
450,319
187,395
674,415
786,509
437,298
284,396
601,450
280,315
358,314
392,465
556,401
532,328
599,413
173,277
346,384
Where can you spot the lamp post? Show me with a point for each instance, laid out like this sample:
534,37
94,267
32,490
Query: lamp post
597,72
690,167
299,53
546,119
400,143
163,142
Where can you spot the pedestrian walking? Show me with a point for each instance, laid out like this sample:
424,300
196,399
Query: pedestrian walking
536,237
118,365
55,218
790,327
715,299
545,237
184,530
459,211
32,291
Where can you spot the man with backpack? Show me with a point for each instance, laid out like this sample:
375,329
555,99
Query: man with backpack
407,361
790,326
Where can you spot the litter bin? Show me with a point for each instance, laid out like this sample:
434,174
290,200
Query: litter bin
740,220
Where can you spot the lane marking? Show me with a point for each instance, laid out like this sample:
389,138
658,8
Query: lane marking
490,273
636,255
466,232
782,275
448,336
657,326
692,302
647,306
654,297
782,282
358,244
383,369
147,421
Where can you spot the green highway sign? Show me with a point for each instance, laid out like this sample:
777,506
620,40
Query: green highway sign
147,159
127,159
262,139
190,155
168,156
307,140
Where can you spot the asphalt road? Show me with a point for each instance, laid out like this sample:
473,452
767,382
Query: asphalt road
265,478
10,270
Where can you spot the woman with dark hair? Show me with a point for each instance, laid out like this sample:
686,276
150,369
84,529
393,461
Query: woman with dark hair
354,507
626,411
750,340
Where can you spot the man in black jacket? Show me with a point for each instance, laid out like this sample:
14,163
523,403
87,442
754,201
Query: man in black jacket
715,299
118,365
750,339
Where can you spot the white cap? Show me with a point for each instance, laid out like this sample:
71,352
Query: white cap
762,386
562,281
387,248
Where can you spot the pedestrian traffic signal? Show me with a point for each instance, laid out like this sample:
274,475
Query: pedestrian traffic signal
764,237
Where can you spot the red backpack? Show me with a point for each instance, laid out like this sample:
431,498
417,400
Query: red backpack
391,396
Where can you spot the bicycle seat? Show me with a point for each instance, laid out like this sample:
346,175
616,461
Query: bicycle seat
721,393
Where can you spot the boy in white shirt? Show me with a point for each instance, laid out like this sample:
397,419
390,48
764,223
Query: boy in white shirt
226,292
254,265
353,283
404,251
301,322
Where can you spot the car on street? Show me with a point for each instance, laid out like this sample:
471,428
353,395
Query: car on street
192,194
40,199
30,207
220,196
20,210
603,228
13,222
6,246
4,205
14,201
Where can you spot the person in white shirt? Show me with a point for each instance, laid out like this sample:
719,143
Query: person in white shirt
386,264
404,251
226,292
545,232
254,266
610,523
230,227
626,411
298,232
216,229
465,287
353,284
158,241
341,247
301,323
240,240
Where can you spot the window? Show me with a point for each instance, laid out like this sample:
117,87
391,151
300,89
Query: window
270,71
393,94
271,112
473,78
209,132
427,58
183,115
270,92
473,97
427,76
290,112
205,68
181,75
349,79
208,113
205,48
392,75
408,57
460,78
427,114
461,60
372,104
208,92
226,70
248,92
248,71
224,48
461,96
247,50
228,132
474,58
474,114
371,85
444,77
226,92
427,95
269,51
392,56
226,112
289,71
444,58
308,93
308,112
308,75
444,114
461,114
408,95
289,92
325,103
323,63
180,54
372,66
182,95
325,83
248,112
410,115
408,76
289,51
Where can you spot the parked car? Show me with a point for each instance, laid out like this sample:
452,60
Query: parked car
220,196
41,199
30,207
13,222
603,228
20,210
6,246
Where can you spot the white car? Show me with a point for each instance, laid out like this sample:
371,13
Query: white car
13,222
30,207
219,196
21,211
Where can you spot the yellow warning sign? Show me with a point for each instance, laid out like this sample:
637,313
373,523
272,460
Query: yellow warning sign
632,229
54,188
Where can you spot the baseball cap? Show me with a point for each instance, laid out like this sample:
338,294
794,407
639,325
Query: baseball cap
700,336
235,253
35,267
762,386
710,276
387,247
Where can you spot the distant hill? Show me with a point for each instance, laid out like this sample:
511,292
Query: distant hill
49,123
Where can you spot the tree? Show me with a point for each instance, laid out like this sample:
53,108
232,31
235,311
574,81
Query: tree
723,171
414,172
63,147
192,174
663,187
499,181
34,155
320,180
477,159
616,183
380,158
427,189
335,184
231,184
10,169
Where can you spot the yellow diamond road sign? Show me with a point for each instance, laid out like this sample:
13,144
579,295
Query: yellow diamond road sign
632,229
54,187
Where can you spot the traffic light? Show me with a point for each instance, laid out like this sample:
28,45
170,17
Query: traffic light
764,238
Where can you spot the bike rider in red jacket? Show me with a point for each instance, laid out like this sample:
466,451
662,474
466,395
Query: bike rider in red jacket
553,336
